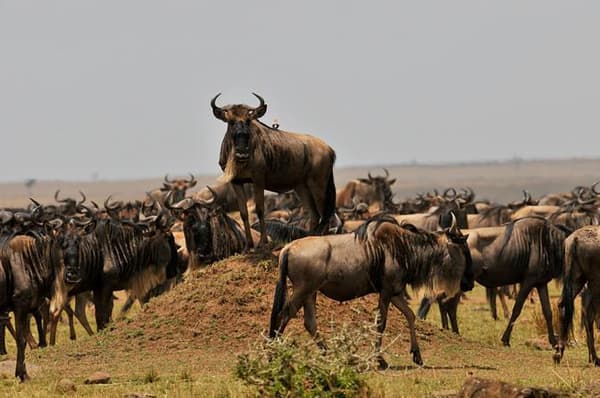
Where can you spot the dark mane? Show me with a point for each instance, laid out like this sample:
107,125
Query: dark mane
361,232
282,232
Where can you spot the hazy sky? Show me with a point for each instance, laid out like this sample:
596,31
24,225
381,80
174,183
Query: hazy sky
121,89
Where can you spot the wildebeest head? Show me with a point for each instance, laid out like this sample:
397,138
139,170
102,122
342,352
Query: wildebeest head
197,215
178,186
381,188
458,247
68,236
239,120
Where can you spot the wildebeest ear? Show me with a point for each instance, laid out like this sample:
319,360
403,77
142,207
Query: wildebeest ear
392,181
259,112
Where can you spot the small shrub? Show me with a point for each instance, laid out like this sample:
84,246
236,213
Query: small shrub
286,367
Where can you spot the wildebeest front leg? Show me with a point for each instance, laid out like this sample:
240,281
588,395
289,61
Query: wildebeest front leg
547,311
21,320
382,312
424,308
491,293
519,301
259,201
400,303
240,195
70,315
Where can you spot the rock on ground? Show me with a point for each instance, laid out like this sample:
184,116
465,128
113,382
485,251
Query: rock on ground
475,387
64,386
98,378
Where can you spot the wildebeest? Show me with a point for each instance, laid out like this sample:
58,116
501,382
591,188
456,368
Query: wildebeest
27,270
210,234
381,257
224,193
374,191
276,160
582,252
114,256
177,187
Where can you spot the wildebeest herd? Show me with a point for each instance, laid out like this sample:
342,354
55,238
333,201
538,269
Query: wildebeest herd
346,243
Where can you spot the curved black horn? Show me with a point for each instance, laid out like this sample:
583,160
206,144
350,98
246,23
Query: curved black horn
369,175
167,179
192,179
262,101
387,173
593,187
111,207
61,200
83,199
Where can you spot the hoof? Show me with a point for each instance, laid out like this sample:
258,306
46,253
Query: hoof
382,364
556,357
417,358
24,377
506,343
596,362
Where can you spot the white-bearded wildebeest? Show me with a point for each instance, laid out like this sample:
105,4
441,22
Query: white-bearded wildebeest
177,187
529,252
210,234
114,256
375,191
582,266
28,266
275,160
381,257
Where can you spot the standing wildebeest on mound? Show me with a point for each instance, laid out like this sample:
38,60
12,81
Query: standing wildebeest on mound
210,234
582,255
381,257
275,160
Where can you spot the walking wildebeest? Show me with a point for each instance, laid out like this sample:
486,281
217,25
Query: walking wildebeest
582,266
276,160
529,252
381,257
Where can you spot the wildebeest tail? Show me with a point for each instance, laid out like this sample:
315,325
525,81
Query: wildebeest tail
280,293
329,209
567,300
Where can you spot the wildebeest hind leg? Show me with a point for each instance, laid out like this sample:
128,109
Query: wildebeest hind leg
259,200
69,311
451,308
309,203
547,311
310,319
291,308
81,301
39,321
443,313
519,301
400,303
382,312
589,317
